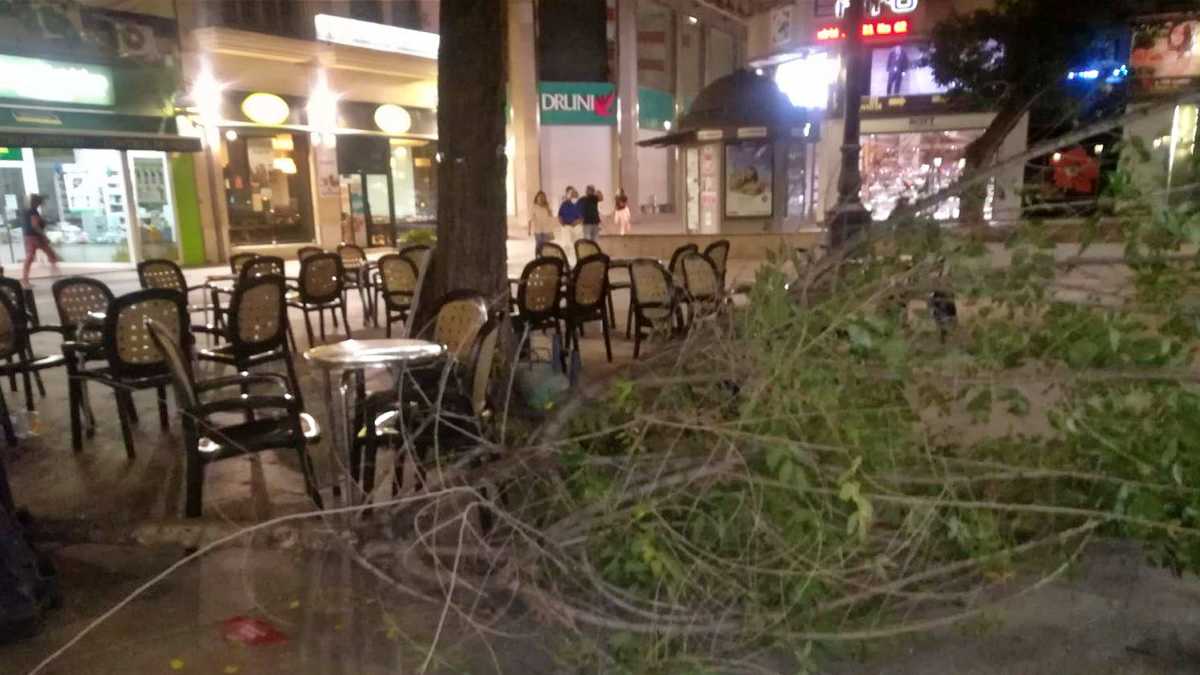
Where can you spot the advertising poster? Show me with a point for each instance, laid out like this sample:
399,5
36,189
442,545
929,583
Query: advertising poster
1166,52
328,182
748,180
693,189
903,70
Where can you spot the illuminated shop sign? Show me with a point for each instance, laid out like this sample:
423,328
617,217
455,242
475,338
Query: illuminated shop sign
876,8
265,108
57,81
377,36
577,103
870,29
1112,75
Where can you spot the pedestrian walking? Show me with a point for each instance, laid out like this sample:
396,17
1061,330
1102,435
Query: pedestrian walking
589,211
33,226
542,222
569,218
622,216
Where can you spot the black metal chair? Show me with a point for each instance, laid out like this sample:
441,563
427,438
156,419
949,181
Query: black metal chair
237,260
17,355
653,299
586,247
586,299
257,330
133,362
206,440
394,288
78,300
701,285
306,252
319,289
417,253
162,273
718,253
549,249
676,270
356,276
22,299
539,296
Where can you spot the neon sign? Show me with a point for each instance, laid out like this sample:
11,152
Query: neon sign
869,29
1110,75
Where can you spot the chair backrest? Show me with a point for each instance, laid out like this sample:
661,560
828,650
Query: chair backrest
351,254
677,256
651,283
586,247
460,316
589,281
718,252
262,265
74,297
127,340
14,328
258,315
549,249
481,363
161,274
238,260
321,278
416,253
540,290
178,363
308,251
398,276
16,293
701,279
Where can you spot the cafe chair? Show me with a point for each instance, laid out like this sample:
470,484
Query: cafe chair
395,286
167,274
417,253
257,330
539,297
549,249
586,247
586,300
18,357
319,289
239,260
22,300
356,276
306,252
718,253
261,265
701,284
676,270
133,362
654,306
78,300
270,421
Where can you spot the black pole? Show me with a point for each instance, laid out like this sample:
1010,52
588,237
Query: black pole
849,216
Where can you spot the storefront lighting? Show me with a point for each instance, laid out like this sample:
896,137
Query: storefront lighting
667,125
870,29
937,161
231,135
265,108
807,81
322,106
1056,157
282,143
758,72
1099,148
285,165
693,20
392,119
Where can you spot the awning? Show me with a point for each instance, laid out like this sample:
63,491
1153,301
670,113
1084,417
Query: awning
37,128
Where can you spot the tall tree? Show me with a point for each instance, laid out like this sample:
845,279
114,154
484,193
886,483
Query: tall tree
472,230
1011,57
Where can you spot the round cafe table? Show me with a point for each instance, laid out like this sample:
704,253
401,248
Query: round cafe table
339,361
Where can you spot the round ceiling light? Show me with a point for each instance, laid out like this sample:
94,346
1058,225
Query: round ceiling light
392,119
265,108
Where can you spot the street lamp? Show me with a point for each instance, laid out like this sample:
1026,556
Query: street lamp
849,216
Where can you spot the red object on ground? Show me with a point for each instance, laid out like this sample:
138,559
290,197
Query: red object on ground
1076,170
253,632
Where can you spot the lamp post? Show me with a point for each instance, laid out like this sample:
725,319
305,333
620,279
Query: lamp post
849,216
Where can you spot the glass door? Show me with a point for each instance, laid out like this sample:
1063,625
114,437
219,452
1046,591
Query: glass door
13,195
354,209
155,205
380,223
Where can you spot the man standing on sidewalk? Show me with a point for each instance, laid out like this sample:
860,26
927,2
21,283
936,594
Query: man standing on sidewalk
589,206
33,226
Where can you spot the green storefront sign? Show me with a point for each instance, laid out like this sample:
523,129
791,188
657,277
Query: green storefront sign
10,154
655,109
577,103
57,81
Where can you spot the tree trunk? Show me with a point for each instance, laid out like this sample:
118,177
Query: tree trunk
982,151
472,230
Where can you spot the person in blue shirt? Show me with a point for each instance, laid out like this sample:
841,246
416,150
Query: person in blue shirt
569,216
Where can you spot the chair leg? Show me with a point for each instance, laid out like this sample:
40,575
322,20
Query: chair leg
75,402
346,321
321,322
26,380
366,305
12,377
629,317
132,409
124,411
291,371
310,480
10,435
164,416
308,327
612,312
291,335
387,318
604,326
194,498
637,337
335,321
37,376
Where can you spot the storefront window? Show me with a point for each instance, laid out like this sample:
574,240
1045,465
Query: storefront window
1182,170
797,179
414,180
85,211
901,168
691,63
266,184
656,70
721,57
155,206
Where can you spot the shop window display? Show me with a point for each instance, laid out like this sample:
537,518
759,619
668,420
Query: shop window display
414,180
901,168
266,186
85,210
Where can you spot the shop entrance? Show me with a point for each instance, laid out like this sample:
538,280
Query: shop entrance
368,219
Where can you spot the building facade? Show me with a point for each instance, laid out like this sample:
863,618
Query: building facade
318,119
87,91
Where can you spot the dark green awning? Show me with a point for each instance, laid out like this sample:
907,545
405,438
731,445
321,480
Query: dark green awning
35,128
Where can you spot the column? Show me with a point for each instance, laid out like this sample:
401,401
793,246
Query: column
523,98
627,84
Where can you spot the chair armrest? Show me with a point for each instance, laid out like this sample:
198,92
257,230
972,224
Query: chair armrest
250,402
241,380
198,287
47,328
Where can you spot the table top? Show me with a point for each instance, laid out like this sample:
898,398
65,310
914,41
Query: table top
351,354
